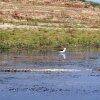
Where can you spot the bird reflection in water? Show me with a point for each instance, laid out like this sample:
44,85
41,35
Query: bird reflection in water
63,55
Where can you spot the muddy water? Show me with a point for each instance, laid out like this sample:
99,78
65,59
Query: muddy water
49,75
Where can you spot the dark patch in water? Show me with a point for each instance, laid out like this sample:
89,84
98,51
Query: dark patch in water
44,90
93,58
96,69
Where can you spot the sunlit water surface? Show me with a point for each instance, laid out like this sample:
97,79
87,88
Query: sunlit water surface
70,76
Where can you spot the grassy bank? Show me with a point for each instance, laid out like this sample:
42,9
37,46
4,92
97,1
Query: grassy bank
48,38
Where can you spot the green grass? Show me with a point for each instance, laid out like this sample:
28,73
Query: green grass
48,38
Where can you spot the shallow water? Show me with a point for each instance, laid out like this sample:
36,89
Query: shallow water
71,75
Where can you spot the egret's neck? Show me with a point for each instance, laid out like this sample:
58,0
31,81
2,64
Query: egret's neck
64,49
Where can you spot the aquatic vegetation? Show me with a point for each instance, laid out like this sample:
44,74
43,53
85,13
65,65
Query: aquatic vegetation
49,38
